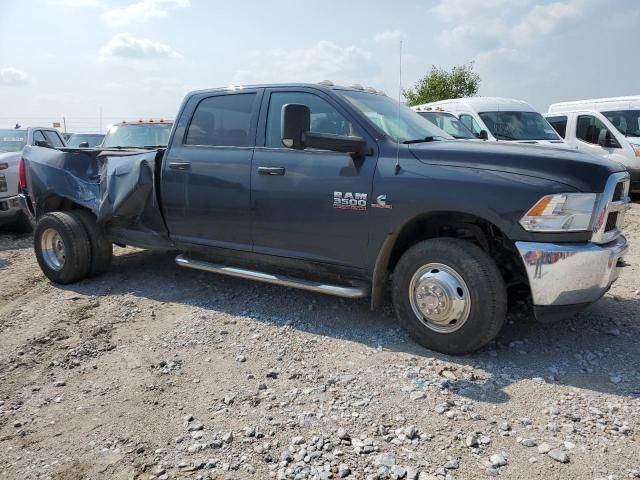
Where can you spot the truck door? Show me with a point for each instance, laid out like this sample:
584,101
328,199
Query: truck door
207,170
298,195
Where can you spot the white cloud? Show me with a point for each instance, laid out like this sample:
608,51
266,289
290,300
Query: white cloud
142,11
323,61
128,46
10,76
74,3
390,35
547,19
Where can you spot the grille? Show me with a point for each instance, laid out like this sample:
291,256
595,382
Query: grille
618,194
611,209
612,222
3,183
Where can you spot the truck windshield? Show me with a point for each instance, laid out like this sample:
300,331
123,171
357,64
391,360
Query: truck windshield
12,140
77,138
401,126
518,126
627,122
449,123
137,135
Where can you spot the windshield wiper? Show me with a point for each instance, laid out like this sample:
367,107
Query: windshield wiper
504,137
155,146
430,138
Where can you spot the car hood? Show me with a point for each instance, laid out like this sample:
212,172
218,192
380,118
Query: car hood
578,170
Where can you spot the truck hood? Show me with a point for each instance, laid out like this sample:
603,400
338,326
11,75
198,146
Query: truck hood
581,171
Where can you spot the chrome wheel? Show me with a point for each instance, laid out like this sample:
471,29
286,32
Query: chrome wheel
53,251
439,298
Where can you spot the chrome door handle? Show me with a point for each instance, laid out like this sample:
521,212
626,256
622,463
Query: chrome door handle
271,170
180,165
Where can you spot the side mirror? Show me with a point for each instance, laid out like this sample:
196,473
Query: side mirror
483,135
606,140
296,123
83,145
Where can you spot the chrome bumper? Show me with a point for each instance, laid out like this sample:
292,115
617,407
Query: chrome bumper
570,273
10,208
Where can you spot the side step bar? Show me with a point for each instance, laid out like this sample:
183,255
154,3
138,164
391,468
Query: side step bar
338,291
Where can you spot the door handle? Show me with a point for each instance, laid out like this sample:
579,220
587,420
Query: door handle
271,170
180,165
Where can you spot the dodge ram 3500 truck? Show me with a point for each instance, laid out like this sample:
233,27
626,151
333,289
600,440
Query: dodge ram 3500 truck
341,191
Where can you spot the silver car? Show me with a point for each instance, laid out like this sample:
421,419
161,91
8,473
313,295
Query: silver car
14,210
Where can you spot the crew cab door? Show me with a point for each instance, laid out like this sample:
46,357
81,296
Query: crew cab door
294,191
207,170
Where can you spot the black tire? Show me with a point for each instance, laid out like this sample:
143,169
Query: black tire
24,224
77,250
101,247
487,293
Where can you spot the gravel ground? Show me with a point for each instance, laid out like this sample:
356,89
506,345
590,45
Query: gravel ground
153,371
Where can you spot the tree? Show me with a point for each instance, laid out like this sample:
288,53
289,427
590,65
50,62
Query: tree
440,84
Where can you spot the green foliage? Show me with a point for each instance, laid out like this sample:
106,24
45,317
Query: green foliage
440,84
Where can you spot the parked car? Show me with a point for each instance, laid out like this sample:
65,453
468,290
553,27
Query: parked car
343,191
85,140
14,210
500,119
138,134
448,122
607,127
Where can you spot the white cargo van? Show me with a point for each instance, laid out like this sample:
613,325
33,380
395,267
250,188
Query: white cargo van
608,127
499,119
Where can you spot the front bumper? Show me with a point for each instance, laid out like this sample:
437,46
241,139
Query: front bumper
12,207
570,276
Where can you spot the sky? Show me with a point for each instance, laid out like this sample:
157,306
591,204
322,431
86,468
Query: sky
93,62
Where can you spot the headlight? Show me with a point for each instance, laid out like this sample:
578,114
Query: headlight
636,149
564,212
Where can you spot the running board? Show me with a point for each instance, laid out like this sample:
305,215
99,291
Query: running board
338,291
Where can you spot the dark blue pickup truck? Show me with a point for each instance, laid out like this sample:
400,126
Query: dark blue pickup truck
338,190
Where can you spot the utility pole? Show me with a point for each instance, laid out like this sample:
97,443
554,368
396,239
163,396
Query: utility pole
64,124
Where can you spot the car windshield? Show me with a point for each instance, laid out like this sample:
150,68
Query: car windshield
449,123
627,122
401,125
12,140
136,135
518,126
77,138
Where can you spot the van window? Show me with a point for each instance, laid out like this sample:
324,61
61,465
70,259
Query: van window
588,128
470,122
518,125
559,124
222,121
324,118
627,122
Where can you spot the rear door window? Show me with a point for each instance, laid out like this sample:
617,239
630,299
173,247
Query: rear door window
38,136
222,121
559,124
53,138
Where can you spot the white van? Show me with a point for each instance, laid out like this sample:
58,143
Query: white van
499,119
608,127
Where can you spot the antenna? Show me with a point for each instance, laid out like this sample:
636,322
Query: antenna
397,168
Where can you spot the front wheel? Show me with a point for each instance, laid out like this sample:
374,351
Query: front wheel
449,294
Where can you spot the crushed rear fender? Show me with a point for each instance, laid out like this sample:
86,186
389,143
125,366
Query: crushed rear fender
119,187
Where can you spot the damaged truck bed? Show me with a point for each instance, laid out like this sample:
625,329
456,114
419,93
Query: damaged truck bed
120,187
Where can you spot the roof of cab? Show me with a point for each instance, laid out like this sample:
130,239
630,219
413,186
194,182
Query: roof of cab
143,122
630,101
324,85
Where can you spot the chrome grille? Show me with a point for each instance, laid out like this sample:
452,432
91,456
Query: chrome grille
3,183
610,211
